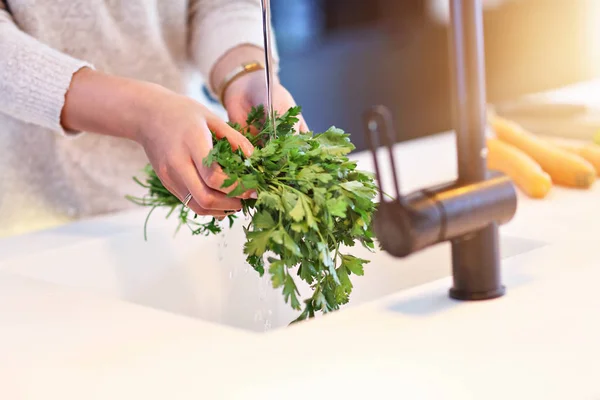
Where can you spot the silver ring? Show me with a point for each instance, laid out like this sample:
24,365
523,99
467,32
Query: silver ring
187,199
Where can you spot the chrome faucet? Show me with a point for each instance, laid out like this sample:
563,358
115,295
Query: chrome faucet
468,211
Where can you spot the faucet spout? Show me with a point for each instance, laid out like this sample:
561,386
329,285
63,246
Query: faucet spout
467,72
466,212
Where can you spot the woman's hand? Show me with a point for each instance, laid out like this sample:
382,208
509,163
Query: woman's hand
174,130
249,91
177,137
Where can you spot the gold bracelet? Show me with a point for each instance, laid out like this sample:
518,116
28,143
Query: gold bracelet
235,74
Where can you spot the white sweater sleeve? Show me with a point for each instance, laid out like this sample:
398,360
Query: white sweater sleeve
217,26
34,78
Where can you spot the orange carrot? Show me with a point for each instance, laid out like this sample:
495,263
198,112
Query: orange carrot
521,168
590,152
564,167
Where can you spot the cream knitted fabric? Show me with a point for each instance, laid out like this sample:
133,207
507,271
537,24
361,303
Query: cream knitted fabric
47,178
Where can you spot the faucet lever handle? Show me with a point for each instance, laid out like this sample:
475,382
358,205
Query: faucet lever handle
378,123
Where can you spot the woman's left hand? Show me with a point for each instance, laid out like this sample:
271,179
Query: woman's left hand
249,91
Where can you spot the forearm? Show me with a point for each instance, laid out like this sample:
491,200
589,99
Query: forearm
105,104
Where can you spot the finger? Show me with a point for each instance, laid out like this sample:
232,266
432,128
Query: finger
286,102
179,191
195,207
206,197
212,176
186,179
235,138
302,127
237,114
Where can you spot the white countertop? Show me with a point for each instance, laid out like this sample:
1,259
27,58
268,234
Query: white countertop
540,341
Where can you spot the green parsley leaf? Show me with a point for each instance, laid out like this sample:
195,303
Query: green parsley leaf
277,271
337,207
297,213
281,237
257,263
263,220
257,242
335,142
290,292
270,200
354,264
238,191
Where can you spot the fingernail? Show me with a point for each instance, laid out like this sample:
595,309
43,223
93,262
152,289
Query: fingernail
254,195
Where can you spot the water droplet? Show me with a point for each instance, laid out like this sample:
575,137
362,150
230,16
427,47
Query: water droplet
270,312
267,325
258,316
230,274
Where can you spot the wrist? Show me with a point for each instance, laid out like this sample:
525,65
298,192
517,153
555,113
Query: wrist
242,73
232,60
248,86
147,99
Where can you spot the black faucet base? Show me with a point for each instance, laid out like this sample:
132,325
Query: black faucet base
477,296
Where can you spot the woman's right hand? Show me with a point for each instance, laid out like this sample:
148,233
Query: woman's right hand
174,130
176,134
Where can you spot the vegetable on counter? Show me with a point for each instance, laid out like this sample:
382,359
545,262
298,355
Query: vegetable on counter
311,201
521,168
590,152
564,167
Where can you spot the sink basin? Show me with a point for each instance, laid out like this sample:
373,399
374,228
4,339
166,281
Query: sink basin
207,277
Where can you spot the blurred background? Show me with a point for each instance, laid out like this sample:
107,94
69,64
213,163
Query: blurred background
339,57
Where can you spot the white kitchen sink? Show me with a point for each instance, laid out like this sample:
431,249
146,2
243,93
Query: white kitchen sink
207,277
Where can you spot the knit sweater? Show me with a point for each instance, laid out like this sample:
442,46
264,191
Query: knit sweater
47,177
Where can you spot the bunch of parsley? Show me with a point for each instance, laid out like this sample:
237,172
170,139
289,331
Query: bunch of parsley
311,201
